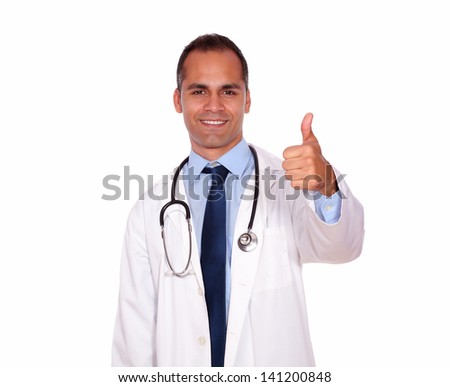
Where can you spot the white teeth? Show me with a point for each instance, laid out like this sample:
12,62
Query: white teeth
214,122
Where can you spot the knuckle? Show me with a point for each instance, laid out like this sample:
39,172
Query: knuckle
292,151
287,152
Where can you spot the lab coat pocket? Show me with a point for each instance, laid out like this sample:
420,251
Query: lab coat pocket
274,270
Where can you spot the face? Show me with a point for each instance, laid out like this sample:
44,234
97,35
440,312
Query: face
213,101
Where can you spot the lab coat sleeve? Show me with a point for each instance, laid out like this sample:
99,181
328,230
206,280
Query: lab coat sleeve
134,337
318,241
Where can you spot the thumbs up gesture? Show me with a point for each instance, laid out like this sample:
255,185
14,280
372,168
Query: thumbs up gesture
305,166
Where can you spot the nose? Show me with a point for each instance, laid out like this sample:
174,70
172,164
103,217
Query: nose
214,104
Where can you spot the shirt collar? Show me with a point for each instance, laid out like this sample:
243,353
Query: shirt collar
235,160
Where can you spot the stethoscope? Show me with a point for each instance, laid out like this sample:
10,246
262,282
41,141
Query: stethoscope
246,242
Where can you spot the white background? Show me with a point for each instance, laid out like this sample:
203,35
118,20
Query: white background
86,88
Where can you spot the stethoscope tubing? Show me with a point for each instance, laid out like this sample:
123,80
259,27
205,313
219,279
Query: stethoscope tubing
246,242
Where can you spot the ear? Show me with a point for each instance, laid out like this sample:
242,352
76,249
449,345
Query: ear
177,101
248,101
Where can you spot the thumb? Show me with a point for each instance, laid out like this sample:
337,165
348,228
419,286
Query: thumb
306,128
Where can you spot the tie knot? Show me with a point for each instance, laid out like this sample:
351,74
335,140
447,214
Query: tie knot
218,173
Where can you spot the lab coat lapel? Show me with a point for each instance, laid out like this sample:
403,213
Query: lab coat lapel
243,271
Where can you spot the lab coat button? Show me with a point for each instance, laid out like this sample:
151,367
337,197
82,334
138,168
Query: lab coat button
200,291
201,341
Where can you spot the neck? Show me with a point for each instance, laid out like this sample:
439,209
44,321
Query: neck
214,153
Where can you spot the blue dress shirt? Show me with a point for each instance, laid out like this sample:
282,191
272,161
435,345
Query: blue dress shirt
239,161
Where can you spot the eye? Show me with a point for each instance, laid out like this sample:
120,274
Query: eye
198,92
229,92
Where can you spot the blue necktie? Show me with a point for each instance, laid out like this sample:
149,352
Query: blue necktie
213,261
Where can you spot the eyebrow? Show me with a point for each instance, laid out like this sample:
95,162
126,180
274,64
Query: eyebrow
232,86
227,86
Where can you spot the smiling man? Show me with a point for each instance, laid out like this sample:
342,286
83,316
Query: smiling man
231,292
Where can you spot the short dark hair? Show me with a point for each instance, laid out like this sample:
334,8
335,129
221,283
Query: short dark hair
211,42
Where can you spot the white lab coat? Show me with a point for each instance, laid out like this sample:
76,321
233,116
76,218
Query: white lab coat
162,319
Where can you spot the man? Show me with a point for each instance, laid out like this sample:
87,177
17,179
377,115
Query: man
231,306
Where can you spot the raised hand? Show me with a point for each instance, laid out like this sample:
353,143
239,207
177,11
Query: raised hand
305,166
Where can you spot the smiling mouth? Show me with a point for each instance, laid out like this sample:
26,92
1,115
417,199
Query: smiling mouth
213,122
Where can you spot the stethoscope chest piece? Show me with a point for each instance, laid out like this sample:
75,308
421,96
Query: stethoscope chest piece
248,241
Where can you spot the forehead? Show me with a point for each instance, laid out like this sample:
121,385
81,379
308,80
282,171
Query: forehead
212,67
